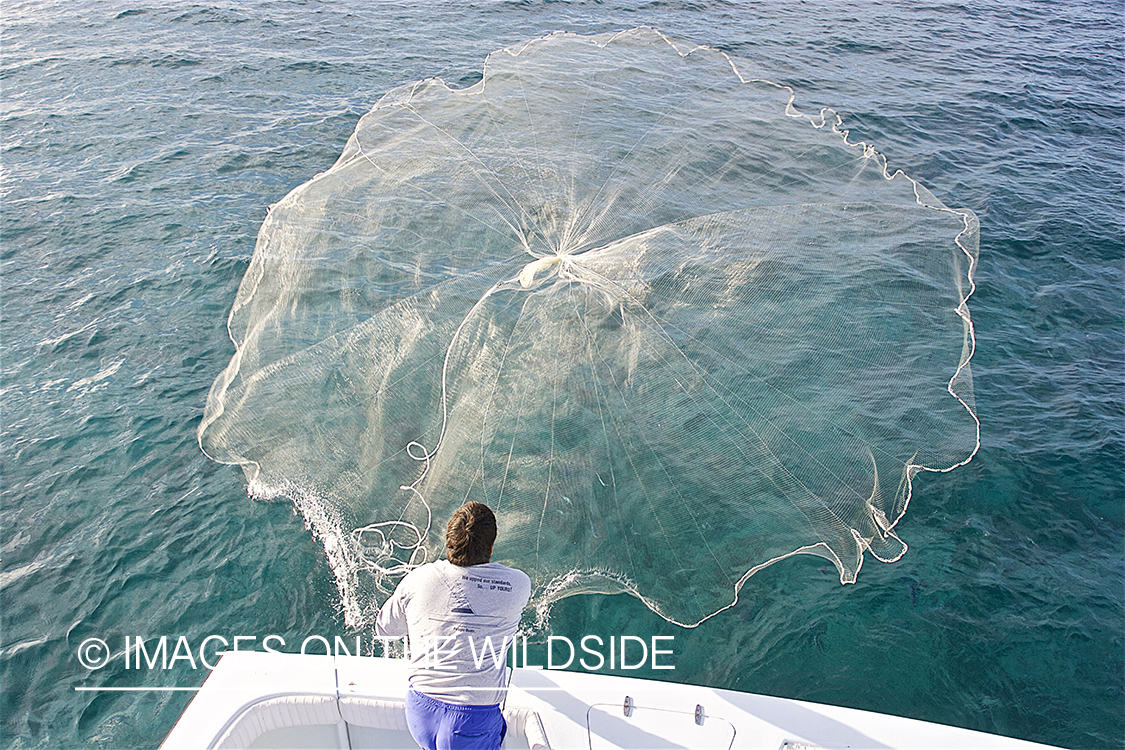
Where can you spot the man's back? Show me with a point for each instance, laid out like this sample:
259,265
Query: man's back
459,619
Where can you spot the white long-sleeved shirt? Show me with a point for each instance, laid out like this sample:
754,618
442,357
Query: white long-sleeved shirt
459,622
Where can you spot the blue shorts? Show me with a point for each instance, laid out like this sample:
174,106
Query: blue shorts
437,725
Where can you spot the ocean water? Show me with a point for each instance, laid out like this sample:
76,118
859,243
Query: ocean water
142,144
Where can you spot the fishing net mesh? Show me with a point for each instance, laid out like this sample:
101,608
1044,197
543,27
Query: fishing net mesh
667,327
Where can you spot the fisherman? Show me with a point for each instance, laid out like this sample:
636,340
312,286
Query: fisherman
460,615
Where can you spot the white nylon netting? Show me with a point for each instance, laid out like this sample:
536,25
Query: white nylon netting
668,328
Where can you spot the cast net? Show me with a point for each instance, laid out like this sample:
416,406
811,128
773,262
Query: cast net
667,327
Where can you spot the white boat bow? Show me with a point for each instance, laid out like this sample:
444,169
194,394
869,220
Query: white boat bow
275,700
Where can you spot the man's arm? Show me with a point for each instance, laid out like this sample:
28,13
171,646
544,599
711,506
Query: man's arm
392,617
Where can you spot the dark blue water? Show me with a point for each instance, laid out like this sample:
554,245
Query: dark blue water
142,144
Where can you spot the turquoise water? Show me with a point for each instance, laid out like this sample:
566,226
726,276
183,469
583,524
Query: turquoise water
142,144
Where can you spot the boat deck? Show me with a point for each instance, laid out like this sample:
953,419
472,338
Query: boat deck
271,700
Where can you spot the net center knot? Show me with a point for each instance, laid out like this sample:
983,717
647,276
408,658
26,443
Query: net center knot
527,275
